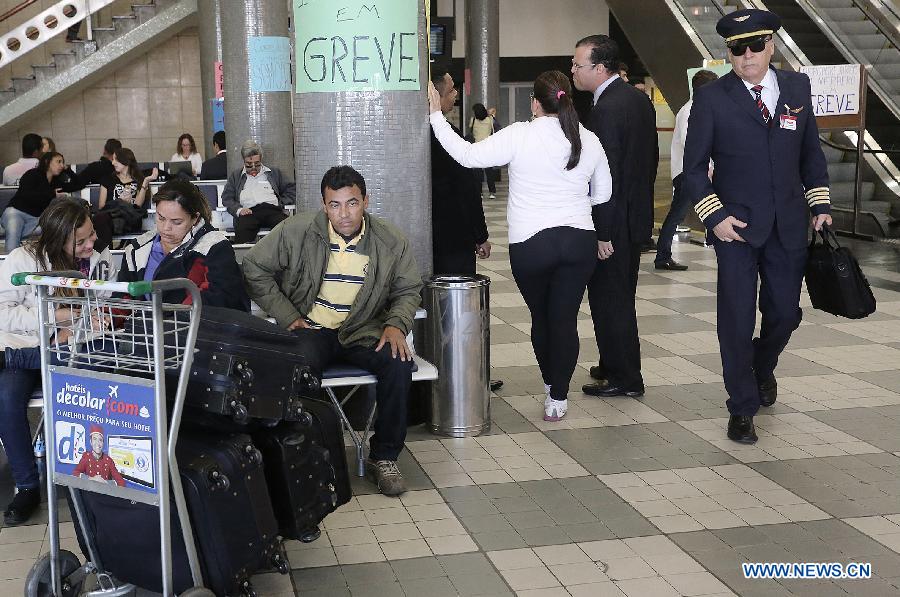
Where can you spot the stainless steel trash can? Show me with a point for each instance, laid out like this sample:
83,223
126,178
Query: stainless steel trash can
459,337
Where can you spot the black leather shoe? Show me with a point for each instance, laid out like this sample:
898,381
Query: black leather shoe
768,391
23,505
598,372
741,429
604,390
671,265
496,384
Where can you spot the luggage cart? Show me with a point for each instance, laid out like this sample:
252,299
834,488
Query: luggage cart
104,359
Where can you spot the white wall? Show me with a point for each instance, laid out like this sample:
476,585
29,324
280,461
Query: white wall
536,27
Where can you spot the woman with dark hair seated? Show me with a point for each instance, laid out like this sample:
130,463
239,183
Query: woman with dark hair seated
66,242
186,245
37,188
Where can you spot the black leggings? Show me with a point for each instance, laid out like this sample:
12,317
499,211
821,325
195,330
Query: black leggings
552,269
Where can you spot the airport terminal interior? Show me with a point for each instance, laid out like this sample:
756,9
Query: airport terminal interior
624,496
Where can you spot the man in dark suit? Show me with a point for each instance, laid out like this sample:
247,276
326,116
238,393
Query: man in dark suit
458,229
757,125
216,167
625,123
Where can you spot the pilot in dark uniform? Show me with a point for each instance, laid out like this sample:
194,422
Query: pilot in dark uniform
757,125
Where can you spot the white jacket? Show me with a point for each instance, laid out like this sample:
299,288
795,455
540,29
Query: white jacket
18,304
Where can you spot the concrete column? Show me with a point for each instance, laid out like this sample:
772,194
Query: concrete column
482,54
385,135
210,29
264,117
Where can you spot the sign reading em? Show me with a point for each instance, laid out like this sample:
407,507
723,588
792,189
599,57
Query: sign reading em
362,45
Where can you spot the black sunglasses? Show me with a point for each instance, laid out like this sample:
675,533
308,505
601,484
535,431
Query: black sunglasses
756,46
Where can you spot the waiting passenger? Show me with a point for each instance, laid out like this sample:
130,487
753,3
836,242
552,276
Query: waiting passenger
66,242
186,245
347,284
37,188
256,195
31,151
97,172
216,168
186,151
67,176
120,209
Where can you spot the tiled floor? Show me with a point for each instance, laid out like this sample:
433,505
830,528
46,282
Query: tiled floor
629,497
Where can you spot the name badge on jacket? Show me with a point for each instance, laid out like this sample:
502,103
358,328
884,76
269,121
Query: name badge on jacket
789,122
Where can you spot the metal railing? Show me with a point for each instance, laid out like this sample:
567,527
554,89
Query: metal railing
49,23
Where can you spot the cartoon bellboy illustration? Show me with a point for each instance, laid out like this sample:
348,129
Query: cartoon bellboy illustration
97,465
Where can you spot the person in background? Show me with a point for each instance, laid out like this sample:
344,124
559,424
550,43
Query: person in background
97,172
120,208
680,203
256,195
347,284
31,151
216,168
625,122
553,162
186,245
67,176
482,127
66,242
37,188
186,151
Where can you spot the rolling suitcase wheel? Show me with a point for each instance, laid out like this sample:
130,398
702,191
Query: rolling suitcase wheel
39,584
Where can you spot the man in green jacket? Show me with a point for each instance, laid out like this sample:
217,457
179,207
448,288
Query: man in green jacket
346,283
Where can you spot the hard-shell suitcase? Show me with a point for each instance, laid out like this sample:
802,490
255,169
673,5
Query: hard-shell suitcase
247,369
306,469
231,516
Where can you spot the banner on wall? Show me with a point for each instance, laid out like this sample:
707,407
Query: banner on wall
269,59
835,88
220,79
218,115
356,45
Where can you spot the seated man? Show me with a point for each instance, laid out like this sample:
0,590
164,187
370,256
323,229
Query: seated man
32,144
99,171
348,285
255,195
216,168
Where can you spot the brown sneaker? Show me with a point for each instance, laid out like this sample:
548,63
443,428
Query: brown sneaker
386,475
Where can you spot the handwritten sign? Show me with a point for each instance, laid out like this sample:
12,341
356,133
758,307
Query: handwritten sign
353,45
835,88
269,59
220,80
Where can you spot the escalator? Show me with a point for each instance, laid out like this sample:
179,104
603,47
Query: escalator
808,36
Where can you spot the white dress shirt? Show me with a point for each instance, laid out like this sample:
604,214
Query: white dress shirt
542,193
13,172
603,87
257,189
195,159
769,91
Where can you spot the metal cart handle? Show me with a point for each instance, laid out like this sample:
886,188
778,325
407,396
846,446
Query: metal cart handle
75,280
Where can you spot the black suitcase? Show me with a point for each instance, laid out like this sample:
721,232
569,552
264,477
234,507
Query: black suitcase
234,527
306,469
247,369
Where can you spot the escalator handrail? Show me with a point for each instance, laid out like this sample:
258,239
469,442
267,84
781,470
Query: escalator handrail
678,12
851,149
875,12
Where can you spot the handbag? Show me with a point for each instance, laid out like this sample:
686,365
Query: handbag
834,279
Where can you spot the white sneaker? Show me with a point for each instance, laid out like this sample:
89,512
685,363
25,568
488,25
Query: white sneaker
547,394
556,410
492,196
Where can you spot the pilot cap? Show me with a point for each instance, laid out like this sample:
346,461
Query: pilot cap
748,23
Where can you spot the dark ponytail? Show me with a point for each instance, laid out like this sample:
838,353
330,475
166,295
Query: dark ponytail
553,91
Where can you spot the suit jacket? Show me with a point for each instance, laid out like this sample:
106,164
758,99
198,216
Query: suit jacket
215,168
625,123
457,212
766,176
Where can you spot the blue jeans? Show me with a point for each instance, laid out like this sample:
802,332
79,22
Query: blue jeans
677,211
17,225
16,387
23,358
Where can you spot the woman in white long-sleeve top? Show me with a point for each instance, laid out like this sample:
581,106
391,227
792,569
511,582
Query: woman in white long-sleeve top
557,173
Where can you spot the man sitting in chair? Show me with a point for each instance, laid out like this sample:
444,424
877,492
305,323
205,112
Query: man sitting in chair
347,284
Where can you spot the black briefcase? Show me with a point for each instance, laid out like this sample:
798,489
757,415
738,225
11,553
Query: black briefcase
834,279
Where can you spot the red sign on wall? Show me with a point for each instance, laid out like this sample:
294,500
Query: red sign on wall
220,81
